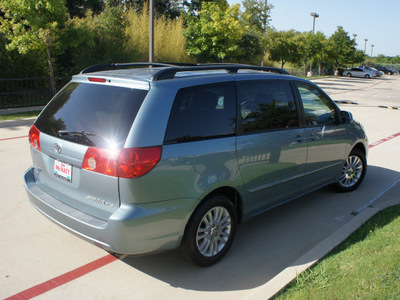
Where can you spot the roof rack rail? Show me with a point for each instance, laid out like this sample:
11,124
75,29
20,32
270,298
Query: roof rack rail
170,72
113,66
251,67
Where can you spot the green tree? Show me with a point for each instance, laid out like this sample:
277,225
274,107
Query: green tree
193,7
257,14
94,39
33,25
302,40
381,59
250,50
15,65
341,48
282,46
78,8
322,54
314,47
213,35
357,57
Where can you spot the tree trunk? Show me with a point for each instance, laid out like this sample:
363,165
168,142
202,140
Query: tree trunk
52,80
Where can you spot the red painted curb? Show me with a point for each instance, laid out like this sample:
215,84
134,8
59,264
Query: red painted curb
14,138
384,140
62,279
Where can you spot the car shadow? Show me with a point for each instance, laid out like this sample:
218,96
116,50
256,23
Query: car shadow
270,242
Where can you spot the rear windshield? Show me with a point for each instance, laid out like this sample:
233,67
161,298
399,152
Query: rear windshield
92,114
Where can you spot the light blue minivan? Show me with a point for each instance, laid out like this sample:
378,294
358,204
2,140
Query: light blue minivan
139,158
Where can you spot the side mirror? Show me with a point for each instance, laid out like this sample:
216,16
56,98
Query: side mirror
347,117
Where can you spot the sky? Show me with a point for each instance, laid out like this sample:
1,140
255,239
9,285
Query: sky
377,21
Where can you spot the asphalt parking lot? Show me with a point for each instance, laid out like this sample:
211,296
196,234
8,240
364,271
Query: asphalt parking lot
40,259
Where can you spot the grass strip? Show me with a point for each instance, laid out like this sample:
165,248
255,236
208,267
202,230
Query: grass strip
365,266
21,115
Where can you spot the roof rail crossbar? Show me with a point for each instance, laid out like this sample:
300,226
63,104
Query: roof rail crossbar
113,66
169,73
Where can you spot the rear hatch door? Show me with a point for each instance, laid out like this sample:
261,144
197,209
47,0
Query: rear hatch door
83,116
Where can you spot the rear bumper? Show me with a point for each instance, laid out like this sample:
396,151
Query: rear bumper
131,229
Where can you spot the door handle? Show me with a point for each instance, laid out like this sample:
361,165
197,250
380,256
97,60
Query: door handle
313,136
300,139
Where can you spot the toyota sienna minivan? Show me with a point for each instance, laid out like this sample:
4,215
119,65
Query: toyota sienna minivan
139,158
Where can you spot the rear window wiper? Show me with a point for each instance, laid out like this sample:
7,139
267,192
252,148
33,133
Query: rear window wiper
62,133
80,137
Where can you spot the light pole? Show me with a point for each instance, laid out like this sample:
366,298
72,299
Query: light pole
151,31
372,48
314,15
365,47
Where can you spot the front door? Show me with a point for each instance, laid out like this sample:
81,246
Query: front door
271,147
325,137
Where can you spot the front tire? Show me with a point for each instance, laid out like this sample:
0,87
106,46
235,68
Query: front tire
210,231
348,74
353,171
367,76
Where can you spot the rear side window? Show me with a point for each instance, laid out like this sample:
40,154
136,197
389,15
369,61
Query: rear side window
202,112
92,114
267,106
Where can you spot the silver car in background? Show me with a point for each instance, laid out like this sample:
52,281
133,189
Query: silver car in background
359,72
370,69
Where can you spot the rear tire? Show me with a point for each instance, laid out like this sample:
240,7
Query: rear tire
348,74
353,171
210,231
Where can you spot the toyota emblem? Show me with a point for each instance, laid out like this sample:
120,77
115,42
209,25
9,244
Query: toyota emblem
57,148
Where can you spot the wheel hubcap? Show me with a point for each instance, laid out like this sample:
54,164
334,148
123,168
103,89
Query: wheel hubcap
214,231
352,171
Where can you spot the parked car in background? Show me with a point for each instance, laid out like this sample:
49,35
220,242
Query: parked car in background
385,70
359,72
377,72
158,156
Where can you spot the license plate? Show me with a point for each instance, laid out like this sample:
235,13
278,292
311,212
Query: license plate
63,170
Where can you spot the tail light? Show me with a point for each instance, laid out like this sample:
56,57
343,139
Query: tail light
101,161
127,163
136,162
34,137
